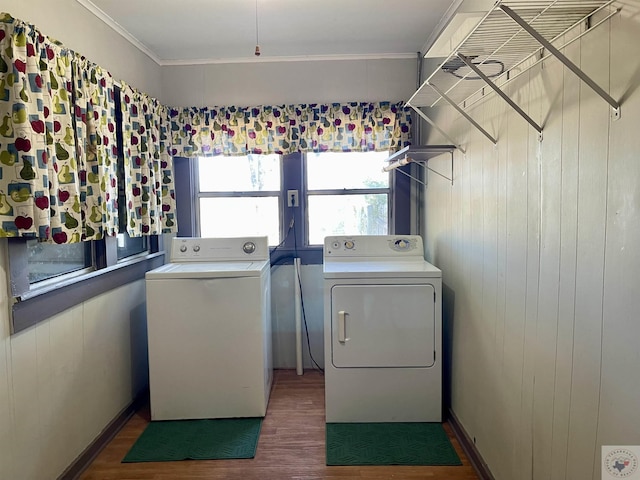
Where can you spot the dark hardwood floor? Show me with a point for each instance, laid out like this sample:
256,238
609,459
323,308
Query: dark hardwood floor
291,446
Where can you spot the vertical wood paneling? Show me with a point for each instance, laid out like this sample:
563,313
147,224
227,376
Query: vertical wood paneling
462,368
60,391
547,321
312,292
487,285
567,262
474,285
619,417
531,274
6,399
63,437
44,358
282,321
567,273
6,380
504,413
592,181
107,354
470,348
26,413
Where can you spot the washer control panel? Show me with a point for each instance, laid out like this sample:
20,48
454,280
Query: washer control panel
373,246
202,249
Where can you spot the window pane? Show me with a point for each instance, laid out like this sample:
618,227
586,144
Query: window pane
252,173
240,217
128,246
46,260
347,215
346,170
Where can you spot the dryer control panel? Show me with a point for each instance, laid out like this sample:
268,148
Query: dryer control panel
373,246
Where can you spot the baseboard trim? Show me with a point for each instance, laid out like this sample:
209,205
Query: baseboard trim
90,453
470,450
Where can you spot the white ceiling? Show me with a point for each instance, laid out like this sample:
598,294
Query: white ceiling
224,31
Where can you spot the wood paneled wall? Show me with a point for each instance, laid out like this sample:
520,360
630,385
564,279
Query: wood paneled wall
538,244
65,379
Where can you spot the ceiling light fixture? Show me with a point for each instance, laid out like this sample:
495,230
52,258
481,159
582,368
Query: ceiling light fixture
257,52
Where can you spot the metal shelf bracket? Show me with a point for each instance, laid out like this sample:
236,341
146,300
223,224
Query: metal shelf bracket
566,62
463,113
402,158
433,124
511,38
496,89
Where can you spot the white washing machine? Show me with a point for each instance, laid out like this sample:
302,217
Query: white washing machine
382,324
209,329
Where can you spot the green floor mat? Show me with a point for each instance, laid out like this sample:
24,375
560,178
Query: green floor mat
196,440
389,444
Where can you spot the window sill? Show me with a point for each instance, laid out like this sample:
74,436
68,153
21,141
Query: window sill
40,304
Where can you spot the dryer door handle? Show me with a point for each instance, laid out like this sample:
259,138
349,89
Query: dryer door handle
342,326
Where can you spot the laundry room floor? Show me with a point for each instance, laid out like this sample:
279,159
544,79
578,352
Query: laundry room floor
291,446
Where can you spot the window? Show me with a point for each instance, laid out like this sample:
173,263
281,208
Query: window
347,194
296,200
49,278
46,261
129,246
239,196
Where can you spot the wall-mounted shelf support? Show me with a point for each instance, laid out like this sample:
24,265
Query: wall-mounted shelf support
495,88
463,113
419,156
512,37
433,124
568,63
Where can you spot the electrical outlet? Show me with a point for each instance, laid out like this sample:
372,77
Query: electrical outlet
292,198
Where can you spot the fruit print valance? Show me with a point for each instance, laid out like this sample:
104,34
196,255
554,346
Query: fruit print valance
58,149
338,127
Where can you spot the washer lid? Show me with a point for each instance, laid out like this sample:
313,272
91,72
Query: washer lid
378,268
208,270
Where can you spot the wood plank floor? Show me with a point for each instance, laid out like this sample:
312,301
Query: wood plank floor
291,446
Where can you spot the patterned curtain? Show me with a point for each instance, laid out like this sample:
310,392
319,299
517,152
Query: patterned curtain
58,146
346,127
150,192
39,189
98,161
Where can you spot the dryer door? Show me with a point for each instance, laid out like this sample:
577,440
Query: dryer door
382,326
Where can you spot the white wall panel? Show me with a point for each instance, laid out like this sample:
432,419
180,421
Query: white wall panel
64,380
7,434
283,315
547,321
567,274
63,431
107,353
619,418
592,195
25,416
558,249
276,83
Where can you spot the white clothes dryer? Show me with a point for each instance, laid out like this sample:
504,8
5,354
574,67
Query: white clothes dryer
209,329
382,330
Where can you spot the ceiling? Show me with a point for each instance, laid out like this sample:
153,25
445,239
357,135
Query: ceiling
224,31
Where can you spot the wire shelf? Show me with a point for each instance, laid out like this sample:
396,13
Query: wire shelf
501,49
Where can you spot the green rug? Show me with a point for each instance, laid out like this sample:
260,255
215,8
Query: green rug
389,444
196,440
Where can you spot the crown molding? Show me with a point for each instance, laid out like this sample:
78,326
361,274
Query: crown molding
297,58
115,26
